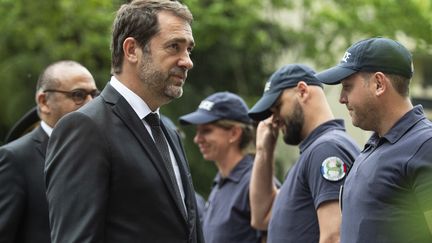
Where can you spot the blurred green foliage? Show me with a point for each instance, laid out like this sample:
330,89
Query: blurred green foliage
330,26
239,44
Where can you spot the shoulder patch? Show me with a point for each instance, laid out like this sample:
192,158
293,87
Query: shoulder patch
333,169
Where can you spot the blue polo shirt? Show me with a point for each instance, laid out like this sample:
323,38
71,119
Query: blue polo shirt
306,186
227,213
389,187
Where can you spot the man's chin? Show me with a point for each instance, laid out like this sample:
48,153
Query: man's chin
174,92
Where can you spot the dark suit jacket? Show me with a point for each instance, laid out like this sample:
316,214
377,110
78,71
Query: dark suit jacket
106,181
23,205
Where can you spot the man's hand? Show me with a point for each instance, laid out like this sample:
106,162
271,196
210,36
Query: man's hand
267,134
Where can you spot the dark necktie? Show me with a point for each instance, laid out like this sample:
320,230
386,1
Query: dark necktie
153,120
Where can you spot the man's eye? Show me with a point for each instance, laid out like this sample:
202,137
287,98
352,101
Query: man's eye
174,46
79,94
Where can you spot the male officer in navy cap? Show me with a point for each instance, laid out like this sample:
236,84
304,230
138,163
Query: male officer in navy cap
306,208
387,197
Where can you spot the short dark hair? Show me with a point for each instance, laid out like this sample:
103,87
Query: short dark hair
399,82
139,19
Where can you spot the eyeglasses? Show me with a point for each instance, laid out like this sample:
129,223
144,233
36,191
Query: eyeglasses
77,95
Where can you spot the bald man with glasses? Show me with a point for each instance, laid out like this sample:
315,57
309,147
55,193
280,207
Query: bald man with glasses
62,87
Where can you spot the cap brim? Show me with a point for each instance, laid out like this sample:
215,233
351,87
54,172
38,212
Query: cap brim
261,110
334,75
197,117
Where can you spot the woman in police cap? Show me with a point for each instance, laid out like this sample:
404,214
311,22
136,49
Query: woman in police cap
225,135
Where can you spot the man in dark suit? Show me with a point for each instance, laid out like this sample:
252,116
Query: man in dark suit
107,180
62,87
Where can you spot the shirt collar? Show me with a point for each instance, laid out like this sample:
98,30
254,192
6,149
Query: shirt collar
137,104
238,171
47,129
336,124
405,123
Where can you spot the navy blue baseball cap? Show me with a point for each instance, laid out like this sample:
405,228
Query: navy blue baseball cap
371,55
286,77
218,106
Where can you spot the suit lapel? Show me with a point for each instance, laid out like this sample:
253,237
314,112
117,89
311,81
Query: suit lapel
41,139
172,137
125,112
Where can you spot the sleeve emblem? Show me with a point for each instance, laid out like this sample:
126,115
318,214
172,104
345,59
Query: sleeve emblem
333,169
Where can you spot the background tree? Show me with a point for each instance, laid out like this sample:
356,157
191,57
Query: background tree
328,27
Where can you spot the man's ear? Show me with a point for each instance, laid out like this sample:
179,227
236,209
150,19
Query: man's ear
303,90
42,102
131,50
382,83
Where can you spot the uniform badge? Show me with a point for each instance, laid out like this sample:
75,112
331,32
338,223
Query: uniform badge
333,169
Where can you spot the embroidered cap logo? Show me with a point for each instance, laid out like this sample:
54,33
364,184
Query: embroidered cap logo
346,56
206,105
267,86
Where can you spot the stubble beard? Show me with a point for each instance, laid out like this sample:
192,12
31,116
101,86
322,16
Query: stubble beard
171,90
365,120
366,116
157,81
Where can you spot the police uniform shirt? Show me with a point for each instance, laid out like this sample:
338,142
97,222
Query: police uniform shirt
227,213
309,183
389,189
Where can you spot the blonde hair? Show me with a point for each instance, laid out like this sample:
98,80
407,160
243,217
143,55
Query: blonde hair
247,139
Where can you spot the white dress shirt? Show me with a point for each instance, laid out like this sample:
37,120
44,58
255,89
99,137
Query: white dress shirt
47,129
